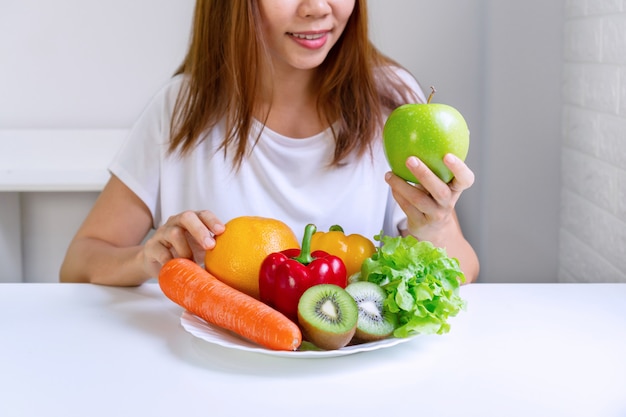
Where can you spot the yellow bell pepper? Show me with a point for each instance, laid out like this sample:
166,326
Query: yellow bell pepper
351,249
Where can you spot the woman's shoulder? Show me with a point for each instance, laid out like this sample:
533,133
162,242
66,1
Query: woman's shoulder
394,74
170,88
397,70
160,106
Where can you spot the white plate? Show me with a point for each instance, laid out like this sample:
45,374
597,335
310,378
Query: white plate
222,337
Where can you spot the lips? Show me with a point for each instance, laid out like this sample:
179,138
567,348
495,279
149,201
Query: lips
308,36
310,40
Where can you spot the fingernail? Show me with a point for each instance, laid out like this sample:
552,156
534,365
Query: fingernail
209,243
451,158
412,162
388,176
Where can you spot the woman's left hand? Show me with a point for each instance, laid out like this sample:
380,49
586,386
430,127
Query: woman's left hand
430,204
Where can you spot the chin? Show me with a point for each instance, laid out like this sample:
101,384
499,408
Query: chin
308,64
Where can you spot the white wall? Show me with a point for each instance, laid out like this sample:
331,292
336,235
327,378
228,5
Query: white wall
522,117
593,222
499,62
69,65
443,47
86,63
93,65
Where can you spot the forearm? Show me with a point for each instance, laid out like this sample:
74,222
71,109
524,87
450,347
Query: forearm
96,261
460,249
452,240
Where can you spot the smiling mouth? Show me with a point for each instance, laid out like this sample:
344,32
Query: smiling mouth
308,37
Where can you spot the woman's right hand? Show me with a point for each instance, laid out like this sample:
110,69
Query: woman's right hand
115,245
186,235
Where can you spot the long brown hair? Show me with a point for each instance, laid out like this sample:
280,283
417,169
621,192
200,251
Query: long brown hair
356,82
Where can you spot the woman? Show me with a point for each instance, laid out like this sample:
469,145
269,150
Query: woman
276,111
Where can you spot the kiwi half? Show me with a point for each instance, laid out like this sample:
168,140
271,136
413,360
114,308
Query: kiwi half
373,323
328,316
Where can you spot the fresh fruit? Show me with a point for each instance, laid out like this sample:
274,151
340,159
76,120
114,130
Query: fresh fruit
428,131
242,247
373,323
328,316
353,249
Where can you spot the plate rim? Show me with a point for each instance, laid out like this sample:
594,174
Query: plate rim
210,333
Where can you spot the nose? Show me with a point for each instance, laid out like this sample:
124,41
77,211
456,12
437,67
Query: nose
314,8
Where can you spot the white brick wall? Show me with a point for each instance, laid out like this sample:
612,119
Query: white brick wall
593,198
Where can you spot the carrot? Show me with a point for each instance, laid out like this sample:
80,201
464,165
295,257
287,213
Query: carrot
192,287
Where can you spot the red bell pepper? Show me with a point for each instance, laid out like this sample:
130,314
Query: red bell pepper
284,276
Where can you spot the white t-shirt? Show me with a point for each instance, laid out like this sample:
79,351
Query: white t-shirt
283,178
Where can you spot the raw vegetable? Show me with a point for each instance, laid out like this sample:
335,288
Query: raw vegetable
353,249
285,276
421,283
192,287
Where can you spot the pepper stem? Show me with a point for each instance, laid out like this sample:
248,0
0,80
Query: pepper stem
335,228
305,257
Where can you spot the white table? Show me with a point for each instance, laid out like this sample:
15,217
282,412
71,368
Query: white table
519,350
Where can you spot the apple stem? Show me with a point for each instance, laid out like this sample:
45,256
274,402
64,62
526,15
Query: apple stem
430,97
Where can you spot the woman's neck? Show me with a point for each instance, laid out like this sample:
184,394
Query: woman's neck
292,104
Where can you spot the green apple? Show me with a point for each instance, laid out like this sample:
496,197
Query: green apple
428,131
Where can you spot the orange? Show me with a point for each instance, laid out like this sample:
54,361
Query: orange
239,251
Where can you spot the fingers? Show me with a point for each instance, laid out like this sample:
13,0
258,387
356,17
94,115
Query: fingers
215,226
201,226
463,176
428,180
444,194
410,196
430,201
185,235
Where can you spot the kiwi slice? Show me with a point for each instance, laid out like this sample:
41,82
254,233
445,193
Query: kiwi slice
373,323
328,316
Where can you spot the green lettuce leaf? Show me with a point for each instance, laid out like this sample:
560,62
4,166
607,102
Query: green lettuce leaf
421,281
